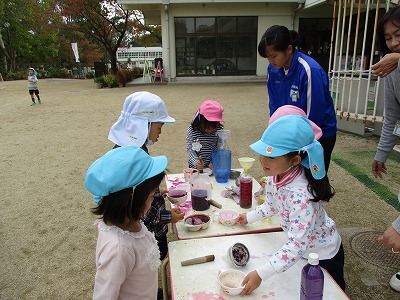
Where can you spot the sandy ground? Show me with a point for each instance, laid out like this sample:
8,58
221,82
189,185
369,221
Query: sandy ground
46,229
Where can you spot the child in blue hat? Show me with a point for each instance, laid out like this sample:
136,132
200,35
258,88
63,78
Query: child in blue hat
296,191
123,183
33,86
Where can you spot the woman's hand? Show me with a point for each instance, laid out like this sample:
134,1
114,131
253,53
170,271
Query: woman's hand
242,219
378,168
251,282
386,65
391,239
176,215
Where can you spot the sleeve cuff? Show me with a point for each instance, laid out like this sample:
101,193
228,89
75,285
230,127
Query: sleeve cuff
251,217
266,271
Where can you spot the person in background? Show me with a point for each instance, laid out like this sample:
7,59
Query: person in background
388,37
201,136
296,191
296,79
142,117
33,86
123,182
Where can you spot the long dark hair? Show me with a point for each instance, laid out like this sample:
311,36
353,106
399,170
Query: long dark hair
118,206
393,16
277,36
200,123
320,189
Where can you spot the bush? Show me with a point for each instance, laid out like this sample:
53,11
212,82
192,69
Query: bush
100,81
123,76
136,72
110,80
56,72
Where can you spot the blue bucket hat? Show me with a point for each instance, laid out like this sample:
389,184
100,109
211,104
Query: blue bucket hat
121,168
289,134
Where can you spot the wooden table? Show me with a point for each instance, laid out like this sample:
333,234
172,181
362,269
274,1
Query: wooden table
199,282
216,228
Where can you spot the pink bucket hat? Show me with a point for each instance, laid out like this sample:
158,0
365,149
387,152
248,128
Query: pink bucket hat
294,110
211,110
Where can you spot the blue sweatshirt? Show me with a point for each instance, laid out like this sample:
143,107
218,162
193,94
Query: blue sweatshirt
306,85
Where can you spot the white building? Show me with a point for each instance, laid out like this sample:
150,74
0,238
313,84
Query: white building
136,56
220,37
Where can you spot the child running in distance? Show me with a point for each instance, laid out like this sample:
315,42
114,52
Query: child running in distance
140,123
123,182
201,136
296,191
33,86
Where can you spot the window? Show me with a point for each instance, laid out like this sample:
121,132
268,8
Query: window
216,45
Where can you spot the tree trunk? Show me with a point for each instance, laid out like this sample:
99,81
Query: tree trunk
113,57
3,54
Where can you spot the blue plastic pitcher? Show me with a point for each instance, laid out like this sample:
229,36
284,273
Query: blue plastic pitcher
221,161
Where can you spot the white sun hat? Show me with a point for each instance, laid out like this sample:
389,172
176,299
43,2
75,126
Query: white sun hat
139,111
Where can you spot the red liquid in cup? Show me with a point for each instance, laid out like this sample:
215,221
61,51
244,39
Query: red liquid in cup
246,192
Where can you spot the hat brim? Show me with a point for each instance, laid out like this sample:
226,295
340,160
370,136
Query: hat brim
159,165
167,120
262,148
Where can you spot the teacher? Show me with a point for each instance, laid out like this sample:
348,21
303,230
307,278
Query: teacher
296,79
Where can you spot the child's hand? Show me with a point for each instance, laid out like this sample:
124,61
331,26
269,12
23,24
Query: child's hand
251,282
200,165
210,166
176,215
242,219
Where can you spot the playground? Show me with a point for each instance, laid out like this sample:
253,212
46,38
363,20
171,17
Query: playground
47,234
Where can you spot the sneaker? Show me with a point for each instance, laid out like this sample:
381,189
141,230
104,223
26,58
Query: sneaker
395,282
33,103
40,102
160,294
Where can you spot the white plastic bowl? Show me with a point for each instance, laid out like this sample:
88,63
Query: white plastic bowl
231,281
196,222
177,196
227,217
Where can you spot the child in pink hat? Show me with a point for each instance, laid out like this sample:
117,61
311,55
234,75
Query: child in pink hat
294,110
201,137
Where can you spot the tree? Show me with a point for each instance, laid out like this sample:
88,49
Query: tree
27,32
104,22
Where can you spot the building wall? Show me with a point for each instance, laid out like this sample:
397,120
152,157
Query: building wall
268,15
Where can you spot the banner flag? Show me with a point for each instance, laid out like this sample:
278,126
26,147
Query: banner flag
75,49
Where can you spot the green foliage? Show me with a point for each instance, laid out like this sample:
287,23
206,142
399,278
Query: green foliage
137,72
57,72
110,80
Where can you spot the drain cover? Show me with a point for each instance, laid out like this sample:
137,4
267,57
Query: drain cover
366,246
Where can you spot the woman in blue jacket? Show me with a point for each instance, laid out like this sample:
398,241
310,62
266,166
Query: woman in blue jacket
297,79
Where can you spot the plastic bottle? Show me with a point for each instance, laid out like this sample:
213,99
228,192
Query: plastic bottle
221,158
201,192
246,191
312,279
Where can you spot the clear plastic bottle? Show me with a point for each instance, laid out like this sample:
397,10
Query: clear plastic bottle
246,190
312,279
201,192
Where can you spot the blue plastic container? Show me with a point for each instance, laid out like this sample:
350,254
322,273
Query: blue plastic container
221,161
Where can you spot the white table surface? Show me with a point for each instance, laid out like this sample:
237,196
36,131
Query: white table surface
199,282
216,228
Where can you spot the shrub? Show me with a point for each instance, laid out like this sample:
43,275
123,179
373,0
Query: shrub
110,80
